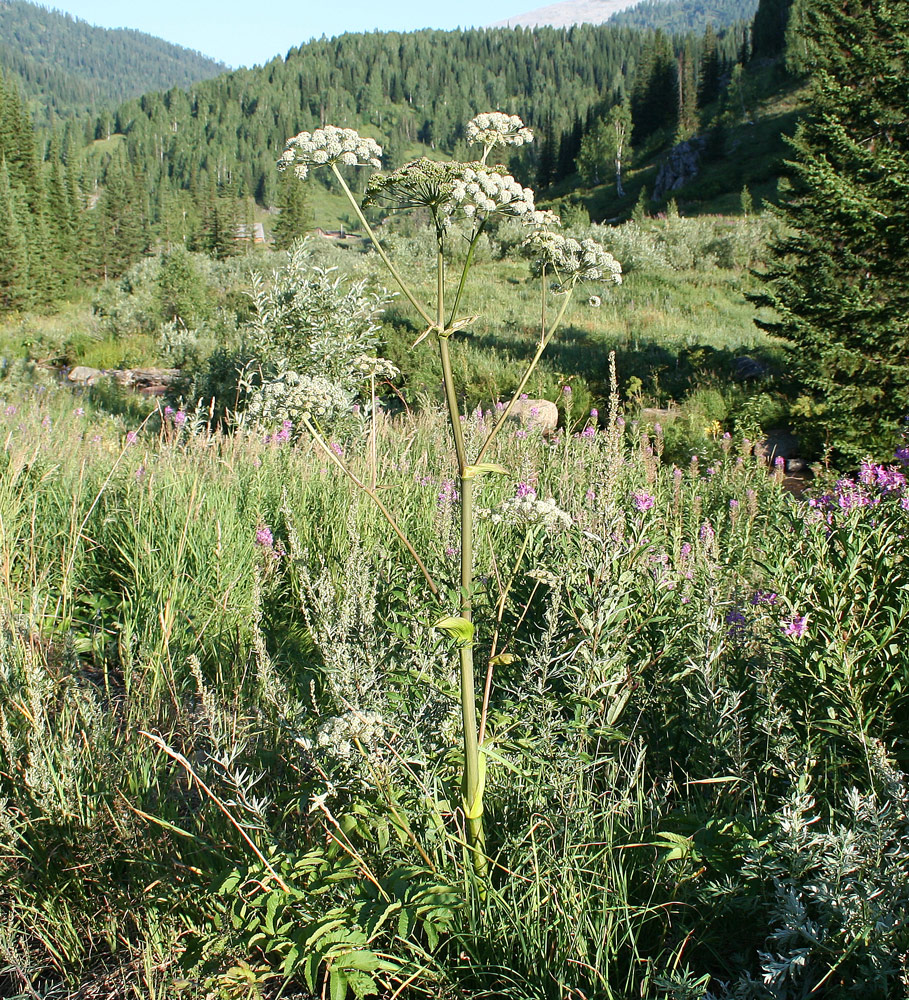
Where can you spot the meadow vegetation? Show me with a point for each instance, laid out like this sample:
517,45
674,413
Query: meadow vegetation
232,705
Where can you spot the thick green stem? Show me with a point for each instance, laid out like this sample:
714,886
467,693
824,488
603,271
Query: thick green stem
465,271
385,260
451,396
474,772
544,343
472,780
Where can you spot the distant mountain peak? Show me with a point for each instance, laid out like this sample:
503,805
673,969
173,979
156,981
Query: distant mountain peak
567,13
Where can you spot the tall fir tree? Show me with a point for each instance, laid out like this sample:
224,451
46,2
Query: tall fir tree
14,288
838,282
295,218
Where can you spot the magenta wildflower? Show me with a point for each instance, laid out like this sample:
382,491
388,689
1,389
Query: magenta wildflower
590,496
336,448
520,435
131,437
594,414
179,418
566,390
796,626
264,537
447,494
764,597
10,411
589,431
79,411
642,500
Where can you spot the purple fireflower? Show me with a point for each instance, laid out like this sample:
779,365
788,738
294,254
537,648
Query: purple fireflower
264,537
589,432
520,435
180,418
131,437
764,597
707,534
447,494
525,490
590,496
336,448
642,500
796,626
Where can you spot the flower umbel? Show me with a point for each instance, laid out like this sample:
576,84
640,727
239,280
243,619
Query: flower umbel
329,144
494,128
572,260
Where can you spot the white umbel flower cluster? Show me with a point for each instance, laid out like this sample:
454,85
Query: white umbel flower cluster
494,128
339,734
329,144
291,395
527,512
573,260
375,367
480,193
542,218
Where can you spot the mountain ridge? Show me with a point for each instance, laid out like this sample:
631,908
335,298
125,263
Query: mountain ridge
65,65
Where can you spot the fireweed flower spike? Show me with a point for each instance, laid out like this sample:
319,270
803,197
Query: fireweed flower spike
494,128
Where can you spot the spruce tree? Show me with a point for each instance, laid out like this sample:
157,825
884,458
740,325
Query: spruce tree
295,217
838,282
14,290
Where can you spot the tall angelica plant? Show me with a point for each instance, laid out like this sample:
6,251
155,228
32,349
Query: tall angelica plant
478,194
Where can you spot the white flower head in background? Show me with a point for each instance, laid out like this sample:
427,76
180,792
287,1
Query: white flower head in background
526,511
572,260
542,218
328,145
481,192
494,128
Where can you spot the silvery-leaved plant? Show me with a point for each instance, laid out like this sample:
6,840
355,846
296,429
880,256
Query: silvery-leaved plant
494,128
480,194
329,145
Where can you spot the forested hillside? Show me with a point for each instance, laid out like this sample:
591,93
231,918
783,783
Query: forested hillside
681,16
221,137
69,66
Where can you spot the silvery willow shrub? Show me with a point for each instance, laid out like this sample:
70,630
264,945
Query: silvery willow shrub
476,195
838,894
313,336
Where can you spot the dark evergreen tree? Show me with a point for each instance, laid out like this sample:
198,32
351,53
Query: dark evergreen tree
14,290
295,218
709,77
838,283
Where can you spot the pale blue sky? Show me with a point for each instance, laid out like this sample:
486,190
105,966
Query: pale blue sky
246,32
